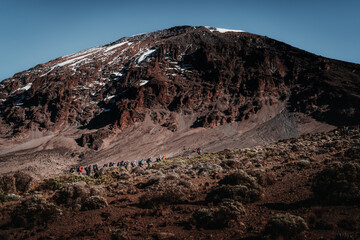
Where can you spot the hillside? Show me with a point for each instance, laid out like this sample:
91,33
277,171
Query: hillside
167,93
312,181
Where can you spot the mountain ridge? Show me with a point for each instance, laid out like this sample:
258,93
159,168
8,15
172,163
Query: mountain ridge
173,84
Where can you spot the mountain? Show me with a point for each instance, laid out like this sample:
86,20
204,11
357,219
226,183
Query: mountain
168,92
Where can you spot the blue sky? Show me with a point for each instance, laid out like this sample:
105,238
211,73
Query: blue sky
36,31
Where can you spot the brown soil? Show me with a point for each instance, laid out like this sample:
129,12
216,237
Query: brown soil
293,163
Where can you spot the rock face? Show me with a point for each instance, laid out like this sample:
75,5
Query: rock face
217,76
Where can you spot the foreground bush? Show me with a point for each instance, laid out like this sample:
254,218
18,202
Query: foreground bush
35,211
338,184
94,202
19,182
286,226
166,190
73,194
218,217
238,186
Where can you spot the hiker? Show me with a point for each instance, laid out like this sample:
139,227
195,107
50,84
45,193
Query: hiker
158,159
105,165
126,165
163,158
199,151
122,164
148,161
347,130
118,164
88,170
133,164
140,162
81,168
72,170
95,168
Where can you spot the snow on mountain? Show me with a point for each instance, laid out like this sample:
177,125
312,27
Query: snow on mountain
145,55
223,30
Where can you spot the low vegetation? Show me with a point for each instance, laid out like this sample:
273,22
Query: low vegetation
285,226
338,184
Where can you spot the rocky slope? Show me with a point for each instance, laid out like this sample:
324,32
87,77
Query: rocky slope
189,85
221,76
300,188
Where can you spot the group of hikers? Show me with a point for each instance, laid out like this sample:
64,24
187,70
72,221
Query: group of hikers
80,169
344,130
125,164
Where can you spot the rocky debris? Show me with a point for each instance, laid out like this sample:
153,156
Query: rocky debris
94,140
285,226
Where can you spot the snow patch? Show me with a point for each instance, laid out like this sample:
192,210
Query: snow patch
72,60
223,30
143,82
145,55
116,46
109,97
25,88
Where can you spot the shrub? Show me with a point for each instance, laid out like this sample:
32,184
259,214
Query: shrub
232,208
73,194
23,182
338,184
166,190
344,236
238,193
2,197
35,211
94,202
238,186
7,184
239,178
230,163
218,217
263,177
285,225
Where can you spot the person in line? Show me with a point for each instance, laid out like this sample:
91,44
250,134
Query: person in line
148,162
95,168
140,162
126,165
81,168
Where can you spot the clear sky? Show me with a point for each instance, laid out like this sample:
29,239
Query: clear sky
36,31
